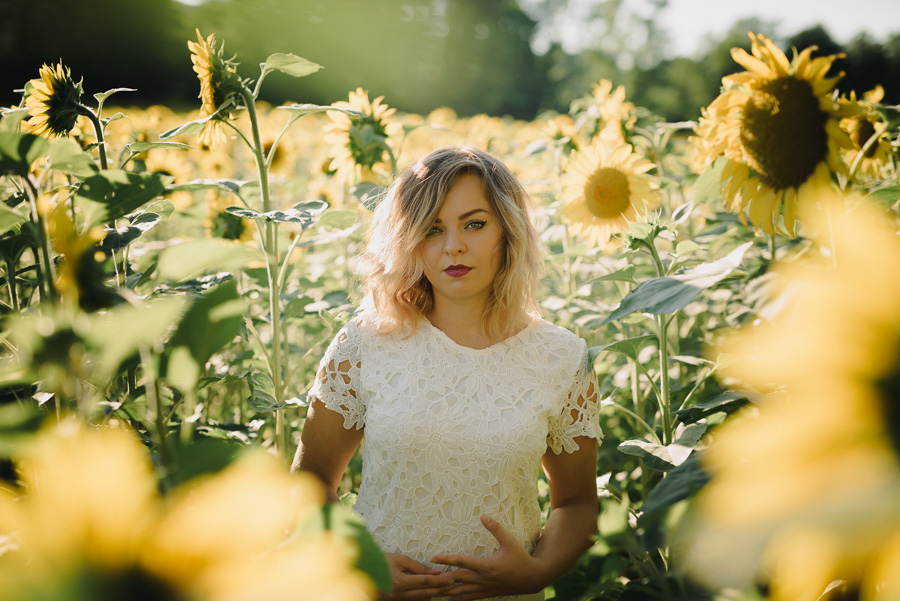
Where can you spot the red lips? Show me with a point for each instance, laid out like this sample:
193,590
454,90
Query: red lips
456,271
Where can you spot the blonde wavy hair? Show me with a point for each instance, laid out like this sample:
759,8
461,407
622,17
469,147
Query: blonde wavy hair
398,293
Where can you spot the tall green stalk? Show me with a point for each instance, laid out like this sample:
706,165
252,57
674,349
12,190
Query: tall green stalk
662,324
272,272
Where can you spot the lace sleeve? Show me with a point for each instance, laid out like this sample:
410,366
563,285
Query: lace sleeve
579,415
338,377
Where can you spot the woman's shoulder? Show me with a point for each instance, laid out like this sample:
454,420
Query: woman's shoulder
554,334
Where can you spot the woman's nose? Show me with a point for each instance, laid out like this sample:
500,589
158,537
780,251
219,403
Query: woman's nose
454,244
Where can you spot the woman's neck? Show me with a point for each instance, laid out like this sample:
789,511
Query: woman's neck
461,322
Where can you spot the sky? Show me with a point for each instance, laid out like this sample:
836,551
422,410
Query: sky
688,21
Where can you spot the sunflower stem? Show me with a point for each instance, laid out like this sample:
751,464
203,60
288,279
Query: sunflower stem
46,275
272,271
98,131
662,324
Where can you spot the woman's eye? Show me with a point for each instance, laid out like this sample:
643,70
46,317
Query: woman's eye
433,232
475,225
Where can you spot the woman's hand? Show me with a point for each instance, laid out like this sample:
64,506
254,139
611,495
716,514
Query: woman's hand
413,581
509,571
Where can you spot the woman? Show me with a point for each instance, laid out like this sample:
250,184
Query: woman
462,392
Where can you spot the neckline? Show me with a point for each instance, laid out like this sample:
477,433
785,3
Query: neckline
443,336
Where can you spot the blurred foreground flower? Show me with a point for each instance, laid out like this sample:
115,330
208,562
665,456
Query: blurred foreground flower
607,188
219,82
777,125
91,525
807,491
361,140
53,102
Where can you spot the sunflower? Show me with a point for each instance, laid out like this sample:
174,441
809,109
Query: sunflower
360,142
93,526
862,126
614,115
53,101
804,487
219,83
777,124
173,163
606,188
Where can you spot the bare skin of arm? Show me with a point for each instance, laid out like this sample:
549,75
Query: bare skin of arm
326,448
568,533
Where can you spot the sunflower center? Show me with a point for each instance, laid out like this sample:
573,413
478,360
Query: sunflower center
607,193
783,132
889,387
860,131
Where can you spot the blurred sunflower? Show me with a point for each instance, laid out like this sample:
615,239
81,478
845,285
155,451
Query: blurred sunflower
561,130
606,188
219,83
91,525
862,126
221,224
74,249
172,162
360,142
777,125
53,101
804,488
614,115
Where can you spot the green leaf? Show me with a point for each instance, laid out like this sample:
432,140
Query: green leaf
116,239
262,393
664,458
885,196
338,218
229,185
626,274
102,96
289,64
686,247
161,207
302,213
340,520
139,147
9,218
628,347
728,402
116,193
211,322
368,194
681,483
708,188
673,293
195,257
67,156
301,110
19,151
196,126
245,213
123,329
10,118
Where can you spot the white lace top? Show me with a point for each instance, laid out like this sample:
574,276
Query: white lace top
452,432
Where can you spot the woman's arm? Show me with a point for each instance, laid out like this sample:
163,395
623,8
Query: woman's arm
326,447
568,533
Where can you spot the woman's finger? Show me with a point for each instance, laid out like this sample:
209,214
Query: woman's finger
497,531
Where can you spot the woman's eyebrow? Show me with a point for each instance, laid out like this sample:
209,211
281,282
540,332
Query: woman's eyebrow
464,215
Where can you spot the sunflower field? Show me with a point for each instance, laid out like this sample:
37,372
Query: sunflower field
170,281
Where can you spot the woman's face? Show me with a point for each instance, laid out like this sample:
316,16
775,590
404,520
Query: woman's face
461,250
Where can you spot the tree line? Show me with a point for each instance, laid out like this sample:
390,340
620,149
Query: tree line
472,56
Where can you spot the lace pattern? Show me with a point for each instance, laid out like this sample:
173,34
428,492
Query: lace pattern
452,432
